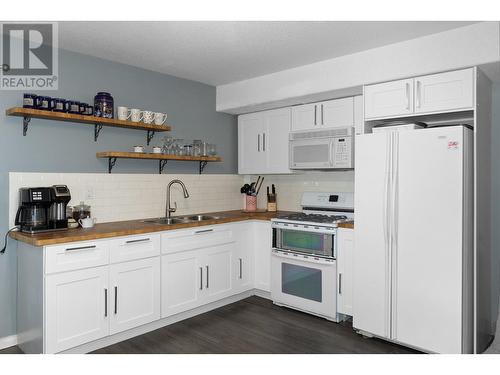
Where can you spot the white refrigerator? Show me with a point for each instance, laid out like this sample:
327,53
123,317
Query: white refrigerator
413,265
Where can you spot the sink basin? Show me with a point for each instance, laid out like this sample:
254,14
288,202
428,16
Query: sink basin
201,217
165,221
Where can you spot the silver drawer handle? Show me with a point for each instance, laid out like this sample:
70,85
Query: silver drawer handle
203,231
105,302
80,248
139,240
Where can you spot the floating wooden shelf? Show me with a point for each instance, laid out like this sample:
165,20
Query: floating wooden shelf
98,122
163,158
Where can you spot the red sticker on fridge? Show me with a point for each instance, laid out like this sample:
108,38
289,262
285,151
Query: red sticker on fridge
452,145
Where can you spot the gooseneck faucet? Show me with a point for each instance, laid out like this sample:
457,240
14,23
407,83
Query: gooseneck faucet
170,209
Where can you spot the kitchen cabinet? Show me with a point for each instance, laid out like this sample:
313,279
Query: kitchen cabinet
326,114
442,92
263,142
243,261
76,308
135,293
345,249
219,272
262,246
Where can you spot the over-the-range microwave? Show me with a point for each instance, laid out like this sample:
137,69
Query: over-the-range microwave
322,149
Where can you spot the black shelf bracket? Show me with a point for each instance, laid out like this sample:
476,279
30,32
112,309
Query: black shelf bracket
203,164
151,134
111,164
163,163
26,121
97,130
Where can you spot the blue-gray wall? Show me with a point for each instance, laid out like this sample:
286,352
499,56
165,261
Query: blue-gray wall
495,193
67,147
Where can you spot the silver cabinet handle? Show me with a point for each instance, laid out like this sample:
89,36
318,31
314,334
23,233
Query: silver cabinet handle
407,96
201,278
258,142
340,283
105,302
419,94
264,142
203,231
116,300
315,115
241,268
80,248
322,122
139,240
207,277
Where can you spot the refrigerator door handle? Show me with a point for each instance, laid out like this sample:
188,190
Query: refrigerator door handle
394,232
386,230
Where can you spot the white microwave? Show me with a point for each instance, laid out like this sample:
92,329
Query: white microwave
322,149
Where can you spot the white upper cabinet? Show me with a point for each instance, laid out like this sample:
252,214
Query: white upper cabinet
444,91
328,114
389,99
263,142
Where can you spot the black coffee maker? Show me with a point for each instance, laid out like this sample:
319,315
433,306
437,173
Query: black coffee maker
43,209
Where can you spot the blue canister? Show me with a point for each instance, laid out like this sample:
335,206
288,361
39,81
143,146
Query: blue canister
73,106
83,108
29,100
89,110
104,105
44,103
58,105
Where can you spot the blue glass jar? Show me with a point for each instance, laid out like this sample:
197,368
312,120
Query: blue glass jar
89,110
44,103
29,100
58,105
73,107
104,105
83,108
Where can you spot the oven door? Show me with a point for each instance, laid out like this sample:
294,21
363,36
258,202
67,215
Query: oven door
304,283
311,153
319,241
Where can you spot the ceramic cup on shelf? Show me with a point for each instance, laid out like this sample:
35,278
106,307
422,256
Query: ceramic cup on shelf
123,113
138,148
160,118
88,222
136,115
148,117
156,150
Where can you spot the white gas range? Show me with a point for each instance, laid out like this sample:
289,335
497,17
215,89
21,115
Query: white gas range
303,264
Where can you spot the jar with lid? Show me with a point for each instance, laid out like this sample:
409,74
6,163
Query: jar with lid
81,211
104,105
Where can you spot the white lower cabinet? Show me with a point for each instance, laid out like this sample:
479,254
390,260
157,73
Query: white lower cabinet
135,294
345,249
76,308
262,248
243,260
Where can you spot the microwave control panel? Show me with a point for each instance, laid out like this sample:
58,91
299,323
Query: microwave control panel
343,152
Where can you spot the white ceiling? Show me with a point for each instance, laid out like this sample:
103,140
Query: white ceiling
222,52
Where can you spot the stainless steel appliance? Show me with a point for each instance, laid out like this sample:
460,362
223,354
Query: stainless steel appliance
42,209
322,149
303,262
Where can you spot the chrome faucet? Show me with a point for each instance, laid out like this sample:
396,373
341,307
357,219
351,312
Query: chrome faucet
169,209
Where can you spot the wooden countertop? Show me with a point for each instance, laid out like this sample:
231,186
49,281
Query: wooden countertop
132,227
347,224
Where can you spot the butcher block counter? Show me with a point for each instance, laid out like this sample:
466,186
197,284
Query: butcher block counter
347,224
132,227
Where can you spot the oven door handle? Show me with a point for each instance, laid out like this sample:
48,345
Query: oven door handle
310,259
332,232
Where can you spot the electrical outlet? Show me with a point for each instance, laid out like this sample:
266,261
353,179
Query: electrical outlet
89,193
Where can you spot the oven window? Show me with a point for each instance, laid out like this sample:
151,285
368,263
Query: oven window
307,242
301,281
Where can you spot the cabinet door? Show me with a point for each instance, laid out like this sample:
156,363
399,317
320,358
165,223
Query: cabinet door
251,154
76,308
243,262
345,248
218,281
182,282
445,91
275,141
262,256
337,113
135,294
389,99
305,117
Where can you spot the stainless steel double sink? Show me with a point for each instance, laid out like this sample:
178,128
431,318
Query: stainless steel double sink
182,219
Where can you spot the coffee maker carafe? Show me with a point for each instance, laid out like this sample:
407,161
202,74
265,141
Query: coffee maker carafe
60,198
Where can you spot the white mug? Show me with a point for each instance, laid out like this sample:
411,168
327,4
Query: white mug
88,222
148,117
160,118
156,150
123,113
138,148
136,115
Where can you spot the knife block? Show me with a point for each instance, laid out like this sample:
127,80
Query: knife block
271,203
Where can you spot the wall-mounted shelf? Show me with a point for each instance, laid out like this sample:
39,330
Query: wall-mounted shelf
112,156
27,114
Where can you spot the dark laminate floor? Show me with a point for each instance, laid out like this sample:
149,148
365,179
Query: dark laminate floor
253,325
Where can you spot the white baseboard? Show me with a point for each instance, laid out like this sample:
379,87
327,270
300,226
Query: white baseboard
8,341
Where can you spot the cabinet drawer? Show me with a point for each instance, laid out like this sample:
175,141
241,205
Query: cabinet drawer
134,247
75,256
196,238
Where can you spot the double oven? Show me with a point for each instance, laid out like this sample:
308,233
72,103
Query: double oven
304,268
